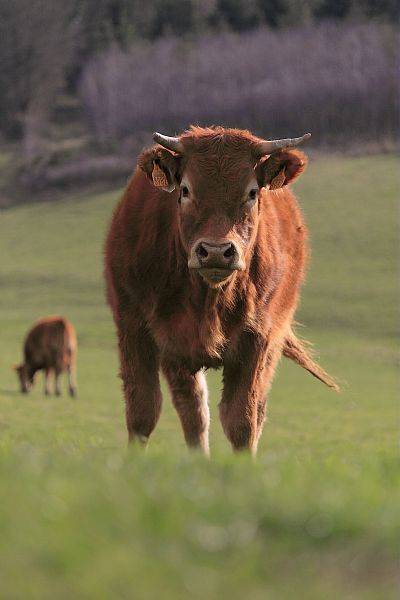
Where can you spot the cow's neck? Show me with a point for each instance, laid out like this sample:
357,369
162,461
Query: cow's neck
205,298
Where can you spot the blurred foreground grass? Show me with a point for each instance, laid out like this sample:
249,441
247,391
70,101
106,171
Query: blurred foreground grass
315,517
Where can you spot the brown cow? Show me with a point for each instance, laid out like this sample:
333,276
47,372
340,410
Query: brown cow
204,261
49,346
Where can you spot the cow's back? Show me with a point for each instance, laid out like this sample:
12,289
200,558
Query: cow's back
139,251
51,343
284,235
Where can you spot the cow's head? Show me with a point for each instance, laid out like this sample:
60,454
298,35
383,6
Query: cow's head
25,377
217,175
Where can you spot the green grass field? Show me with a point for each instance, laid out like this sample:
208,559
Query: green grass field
316,516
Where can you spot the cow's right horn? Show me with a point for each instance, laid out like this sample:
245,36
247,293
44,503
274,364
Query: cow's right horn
170,143
268,146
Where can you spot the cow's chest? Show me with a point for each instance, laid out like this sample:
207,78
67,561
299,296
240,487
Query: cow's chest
198,340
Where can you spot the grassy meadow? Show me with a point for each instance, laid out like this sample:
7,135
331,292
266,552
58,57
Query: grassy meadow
316,516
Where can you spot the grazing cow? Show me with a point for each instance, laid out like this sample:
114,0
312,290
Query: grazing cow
49,346
204,261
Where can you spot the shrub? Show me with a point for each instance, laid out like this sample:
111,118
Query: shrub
338,81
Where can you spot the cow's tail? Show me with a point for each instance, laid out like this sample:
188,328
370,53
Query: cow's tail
297,351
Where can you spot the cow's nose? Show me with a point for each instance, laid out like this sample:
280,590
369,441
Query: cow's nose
221,256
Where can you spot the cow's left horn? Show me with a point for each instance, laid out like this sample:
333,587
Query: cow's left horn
268,146
171,143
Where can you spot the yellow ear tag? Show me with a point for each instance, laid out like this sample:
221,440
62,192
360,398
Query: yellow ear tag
159,177
278,180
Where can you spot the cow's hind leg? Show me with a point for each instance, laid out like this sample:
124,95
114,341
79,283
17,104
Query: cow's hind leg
139,373
272,359
57,386
46,375
72,380
189,396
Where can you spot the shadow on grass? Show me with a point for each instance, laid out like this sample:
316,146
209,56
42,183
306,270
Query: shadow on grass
12,393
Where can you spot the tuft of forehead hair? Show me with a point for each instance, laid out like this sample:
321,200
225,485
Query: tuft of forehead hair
218,140
223,156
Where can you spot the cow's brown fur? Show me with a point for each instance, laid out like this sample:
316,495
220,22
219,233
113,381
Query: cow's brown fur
168,316
50,346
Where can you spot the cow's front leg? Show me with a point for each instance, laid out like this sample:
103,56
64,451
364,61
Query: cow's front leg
189,396
139,373
246,379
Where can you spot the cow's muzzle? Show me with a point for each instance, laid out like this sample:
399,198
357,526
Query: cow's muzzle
215,261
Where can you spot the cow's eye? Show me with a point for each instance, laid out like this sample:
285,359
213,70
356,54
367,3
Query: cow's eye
184,193
252,196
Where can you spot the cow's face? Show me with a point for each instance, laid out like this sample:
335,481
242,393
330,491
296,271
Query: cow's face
218,211
218,180
25,377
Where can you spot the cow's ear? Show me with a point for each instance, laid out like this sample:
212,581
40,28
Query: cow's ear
162,167
280,168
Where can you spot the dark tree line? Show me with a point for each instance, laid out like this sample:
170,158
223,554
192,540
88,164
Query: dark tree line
125,20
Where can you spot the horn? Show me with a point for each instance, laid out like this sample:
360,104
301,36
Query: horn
171,143
269,146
